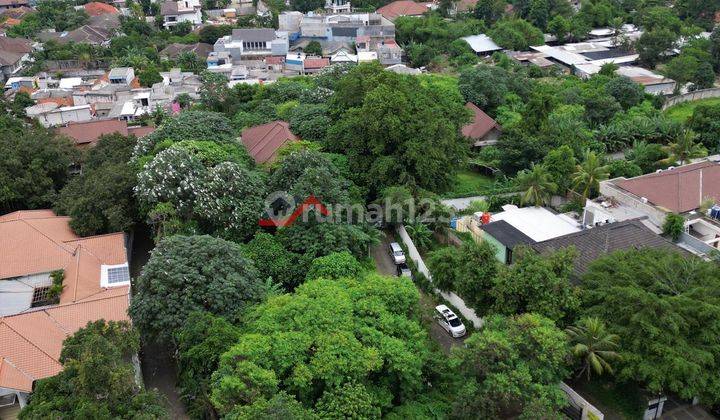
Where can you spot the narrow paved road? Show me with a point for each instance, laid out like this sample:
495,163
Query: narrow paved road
385,265
460,204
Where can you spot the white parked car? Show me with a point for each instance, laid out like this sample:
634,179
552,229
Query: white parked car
449,321
397,253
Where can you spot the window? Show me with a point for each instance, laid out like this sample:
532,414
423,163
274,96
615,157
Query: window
41,296
118,275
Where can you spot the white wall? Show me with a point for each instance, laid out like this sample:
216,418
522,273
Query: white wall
60,117
580,401
452,298
16,295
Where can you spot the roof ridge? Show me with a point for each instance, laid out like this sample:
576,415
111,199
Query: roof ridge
30,342
83,238
85,300
61,245
16,367
270,133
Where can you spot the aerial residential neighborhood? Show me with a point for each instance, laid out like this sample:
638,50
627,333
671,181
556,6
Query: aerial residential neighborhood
369,209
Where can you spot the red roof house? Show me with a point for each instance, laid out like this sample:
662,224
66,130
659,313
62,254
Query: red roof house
394,10
679,190
263,141
96,8
96,285
315,64
483,129
88,133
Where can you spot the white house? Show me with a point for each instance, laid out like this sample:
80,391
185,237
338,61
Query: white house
50,114
253,43
121,75
174,12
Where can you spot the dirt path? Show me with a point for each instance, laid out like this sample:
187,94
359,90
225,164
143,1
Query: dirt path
158,367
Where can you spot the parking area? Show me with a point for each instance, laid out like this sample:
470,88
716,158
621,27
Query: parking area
385,266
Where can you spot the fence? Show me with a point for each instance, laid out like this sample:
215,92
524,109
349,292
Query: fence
588,410
452,298
465,224
59,65
692,96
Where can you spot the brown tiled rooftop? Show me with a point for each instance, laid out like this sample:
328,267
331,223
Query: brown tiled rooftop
481,123
594,243
89,132
678,190
402,8
38,241
263,141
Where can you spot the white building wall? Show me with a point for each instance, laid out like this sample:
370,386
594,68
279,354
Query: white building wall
61,117
16,295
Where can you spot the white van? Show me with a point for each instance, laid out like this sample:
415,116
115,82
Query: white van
449,321
396,253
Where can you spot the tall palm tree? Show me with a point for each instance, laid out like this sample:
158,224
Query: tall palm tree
589,173
685,148
594,345
536,184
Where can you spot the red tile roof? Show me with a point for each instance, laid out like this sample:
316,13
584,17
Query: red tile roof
263,141
679,190
316,63
10,22
481,123
402,8
89,132
31,342
275,59
38,241
140,130
96,8
61,101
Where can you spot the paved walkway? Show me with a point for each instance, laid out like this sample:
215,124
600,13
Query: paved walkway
460,204
687,412
385,265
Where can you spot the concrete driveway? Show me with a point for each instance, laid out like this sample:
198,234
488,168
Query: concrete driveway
385,266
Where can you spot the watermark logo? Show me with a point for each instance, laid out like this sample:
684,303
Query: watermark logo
282,210
310,203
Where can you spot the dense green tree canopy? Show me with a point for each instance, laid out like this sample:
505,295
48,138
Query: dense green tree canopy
188,125
335,266
273,260
101,199
666,310
397,129
519,34
537,283
345,346
34,166
189,273
513,366
487,86
97,380
705,121
201,341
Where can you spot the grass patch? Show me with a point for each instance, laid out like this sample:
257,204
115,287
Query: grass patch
468,183
620,401
683,111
